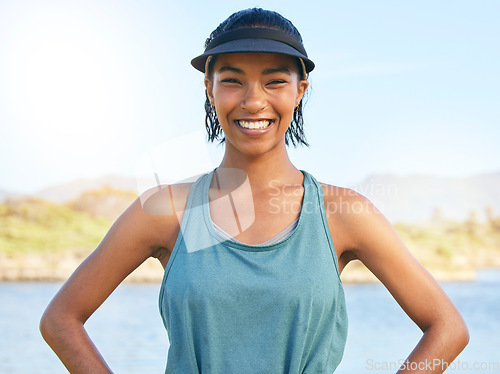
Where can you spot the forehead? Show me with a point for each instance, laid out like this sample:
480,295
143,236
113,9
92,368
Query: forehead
256,61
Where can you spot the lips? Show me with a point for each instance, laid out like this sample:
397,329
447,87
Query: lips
254,124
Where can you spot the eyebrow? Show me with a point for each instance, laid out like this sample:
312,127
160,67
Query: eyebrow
281,69
230,68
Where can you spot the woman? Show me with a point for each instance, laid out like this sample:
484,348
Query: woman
253,251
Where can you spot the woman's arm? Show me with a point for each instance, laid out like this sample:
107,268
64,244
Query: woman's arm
134,237
369,237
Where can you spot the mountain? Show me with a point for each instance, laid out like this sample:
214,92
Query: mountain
422,197
105,202
4,194
72,190
411,198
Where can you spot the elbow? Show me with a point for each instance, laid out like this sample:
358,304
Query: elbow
462,335
47,325
57,325
450,332
455,335
52,325
459,332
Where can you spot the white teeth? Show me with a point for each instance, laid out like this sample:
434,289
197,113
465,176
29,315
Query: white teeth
254,124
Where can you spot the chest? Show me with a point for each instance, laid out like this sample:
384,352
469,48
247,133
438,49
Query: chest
252,217
224,278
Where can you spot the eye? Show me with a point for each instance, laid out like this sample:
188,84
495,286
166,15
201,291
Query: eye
230,81
277,82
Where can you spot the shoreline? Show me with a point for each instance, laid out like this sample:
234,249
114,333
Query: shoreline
58,267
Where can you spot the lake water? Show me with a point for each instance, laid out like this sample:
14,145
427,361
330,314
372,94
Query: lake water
129,332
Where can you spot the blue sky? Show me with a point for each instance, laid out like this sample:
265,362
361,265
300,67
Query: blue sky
97,87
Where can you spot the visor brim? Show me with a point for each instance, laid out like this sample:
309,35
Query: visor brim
248,46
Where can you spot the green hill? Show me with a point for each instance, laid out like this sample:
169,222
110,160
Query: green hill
37,226
44,240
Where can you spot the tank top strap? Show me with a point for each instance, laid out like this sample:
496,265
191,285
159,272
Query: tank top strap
312,203
315,204
194,203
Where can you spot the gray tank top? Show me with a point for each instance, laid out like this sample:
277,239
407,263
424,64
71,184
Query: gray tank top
229,307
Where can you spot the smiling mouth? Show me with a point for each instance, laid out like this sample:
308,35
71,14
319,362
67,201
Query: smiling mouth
254,125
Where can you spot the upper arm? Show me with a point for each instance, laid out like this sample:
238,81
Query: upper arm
134,237
369,236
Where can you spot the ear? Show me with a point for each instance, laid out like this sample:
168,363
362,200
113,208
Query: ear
302,87
210,89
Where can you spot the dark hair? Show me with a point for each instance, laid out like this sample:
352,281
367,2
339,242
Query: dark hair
255,17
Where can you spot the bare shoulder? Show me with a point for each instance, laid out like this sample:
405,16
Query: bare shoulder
161,210
347,206
165,200
345,201
349,213
150,225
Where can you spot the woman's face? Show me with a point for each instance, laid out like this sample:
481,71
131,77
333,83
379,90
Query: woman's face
255,95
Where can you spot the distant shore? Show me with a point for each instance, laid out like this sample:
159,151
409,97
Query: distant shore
59,266
44,241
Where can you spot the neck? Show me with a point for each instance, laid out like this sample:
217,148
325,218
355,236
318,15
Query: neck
263,169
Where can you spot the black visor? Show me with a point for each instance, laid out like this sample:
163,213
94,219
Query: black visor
253,39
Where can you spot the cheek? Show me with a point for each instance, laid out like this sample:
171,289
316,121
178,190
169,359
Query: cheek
225,98
285,103
225,103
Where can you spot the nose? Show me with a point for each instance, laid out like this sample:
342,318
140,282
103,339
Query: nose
254,99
